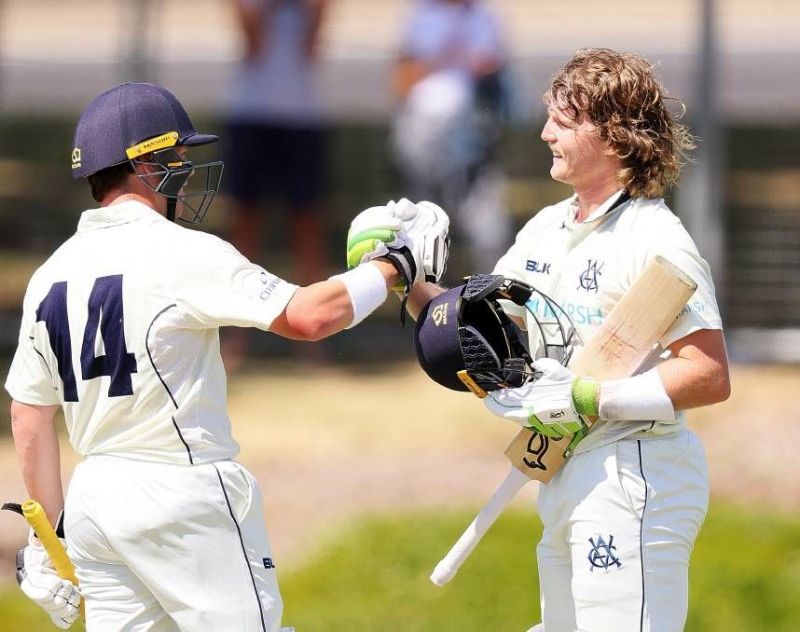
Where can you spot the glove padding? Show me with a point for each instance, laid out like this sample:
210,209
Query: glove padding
414,237
39,581
545,404
429,232
372,232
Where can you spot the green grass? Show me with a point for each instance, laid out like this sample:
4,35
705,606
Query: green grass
18,614
745,572
745,576
376,578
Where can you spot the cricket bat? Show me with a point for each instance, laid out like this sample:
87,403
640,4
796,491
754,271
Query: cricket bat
34,514
626,337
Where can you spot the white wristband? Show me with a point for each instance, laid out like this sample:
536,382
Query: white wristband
634,398
367,289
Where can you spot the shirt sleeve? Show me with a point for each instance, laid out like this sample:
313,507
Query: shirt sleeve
221,287
33,375
701,311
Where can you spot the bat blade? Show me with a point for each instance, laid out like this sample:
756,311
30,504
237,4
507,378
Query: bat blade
636,322
626,337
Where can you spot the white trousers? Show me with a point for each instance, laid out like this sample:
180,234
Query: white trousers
169,547
620,523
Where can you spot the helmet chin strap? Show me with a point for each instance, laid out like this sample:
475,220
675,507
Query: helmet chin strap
172,203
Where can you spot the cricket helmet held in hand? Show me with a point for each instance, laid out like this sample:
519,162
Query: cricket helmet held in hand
465,340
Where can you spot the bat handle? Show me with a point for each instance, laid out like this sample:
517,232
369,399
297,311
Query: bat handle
447,568
36,517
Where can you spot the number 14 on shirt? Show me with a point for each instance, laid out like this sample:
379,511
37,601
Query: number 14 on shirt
104,312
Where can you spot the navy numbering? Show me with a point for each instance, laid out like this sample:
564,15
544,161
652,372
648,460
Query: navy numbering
104,313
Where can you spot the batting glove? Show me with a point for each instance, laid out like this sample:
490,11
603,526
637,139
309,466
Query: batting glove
551,404
39,581
372,232
414,237
428,230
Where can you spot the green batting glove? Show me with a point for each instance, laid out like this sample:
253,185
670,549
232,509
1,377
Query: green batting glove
367,245
557,428
576,439
552,404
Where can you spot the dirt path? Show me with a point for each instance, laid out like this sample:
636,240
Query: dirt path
330,444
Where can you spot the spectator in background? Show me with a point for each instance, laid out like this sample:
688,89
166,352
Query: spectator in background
276,134
449,77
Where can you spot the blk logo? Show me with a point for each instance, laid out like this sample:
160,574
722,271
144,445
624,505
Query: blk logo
268,563
588,278
537,266
603,554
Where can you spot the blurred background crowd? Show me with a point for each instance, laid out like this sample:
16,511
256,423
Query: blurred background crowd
329,106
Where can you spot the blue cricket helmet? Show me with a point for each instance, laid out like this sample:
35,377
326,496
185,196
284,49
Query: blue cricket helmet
465,340
144,123
128,121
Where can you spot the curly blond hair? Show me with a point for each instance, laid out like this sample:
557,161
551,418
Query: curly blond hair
618,93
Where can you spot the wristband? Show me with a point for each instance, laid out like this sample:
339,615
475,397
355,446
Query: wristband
367,289
586,396
634,398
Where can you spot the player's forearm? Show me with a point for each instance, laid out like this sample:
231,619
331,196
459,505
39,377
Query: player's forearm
420,296
36,443
325,308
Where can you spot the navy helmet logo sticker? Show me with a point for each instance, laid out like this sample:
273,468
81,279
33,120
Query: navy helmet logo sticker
588,278
439,314
603,554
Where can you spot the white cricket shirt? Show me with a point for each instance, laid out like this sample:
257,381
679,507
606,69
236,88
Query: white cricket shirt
120,327
587,266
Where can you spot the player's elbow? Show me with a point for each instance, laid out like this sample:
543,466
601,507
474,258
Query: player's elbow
310,324
722,386
716,386
315,312
313,327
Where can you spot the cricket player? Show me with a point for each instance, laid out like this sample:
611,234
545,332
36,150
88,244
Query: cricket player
622,515
120,330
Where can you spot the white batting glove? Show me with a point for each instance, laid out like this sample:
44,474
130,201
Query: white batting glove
428,231
39,581
546,404
414,237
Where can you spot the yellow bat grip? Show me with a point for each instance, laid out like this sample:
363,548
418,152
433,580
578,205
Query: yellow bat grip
34,514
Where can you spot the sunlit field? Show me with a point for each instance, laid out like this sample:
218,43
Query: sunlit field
373,577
